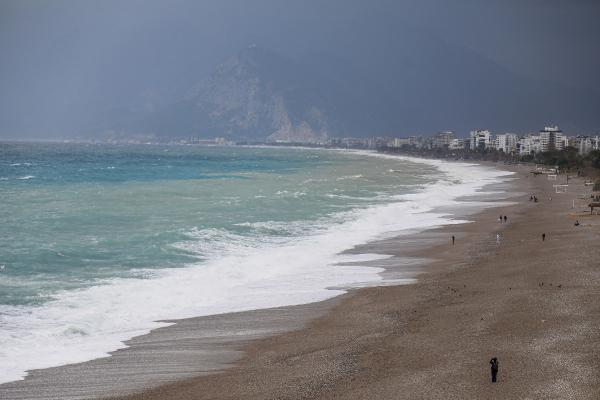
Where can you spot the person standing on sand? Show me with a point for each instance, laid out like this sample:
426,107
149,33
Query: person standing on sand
453,238
505,219
494,367
543,237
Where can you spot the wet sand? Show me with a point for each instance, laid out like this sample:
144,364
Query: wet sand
533,304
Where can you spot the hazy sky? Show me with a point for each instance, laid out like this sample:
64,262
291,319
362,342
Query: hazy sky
61,60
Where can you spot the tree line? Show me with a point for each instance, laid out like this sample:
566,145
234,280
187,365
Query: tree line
568,160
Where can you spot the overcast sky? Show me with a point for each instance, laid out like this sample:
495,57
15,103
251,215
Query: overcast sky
62,59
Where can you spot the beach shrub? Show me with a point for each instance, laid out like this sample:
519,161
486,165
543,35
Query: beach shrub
594,158
567,159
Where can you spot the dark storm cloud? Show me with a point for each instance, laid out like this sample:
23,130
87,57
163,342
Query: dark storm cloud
62,61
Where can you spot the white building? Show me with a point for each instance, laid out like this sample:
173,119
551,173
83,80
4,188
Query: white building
351,142
399,142
443,139
585,144
552,138
561,141
457,144
480,139
415,141
507,142
529,145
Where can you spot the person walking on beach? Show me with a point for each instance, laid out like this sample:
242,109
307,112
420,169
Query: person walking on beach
453,239
505,219
543,237
494,367
500,219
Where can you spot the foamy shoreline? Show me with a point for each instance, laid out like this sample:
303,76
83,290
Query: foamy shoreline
529,303
408,276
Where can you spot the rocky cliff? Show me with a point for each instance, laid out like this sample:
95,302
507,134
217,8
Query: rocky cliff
255,95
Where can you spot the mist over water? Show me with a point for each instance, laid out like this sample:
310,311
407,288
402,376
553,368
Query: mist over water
99,242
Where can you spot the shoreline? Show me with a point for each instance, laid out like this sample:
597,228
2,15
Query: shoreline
287,324
216,347
432,339
49,379
294,258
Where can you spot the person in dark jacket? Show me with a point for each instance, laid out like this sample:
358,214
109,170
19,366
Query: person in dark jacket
494,365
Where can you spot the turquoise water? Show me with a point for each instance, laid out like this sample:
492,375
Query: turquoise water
99,242
74,214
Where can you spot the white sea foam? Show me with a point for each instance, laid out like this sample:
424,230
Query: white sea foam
291,228
237,273
346,197
351,177
26,177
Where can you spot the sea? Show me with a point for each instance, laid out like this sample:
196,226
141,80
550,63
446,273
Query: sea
100,243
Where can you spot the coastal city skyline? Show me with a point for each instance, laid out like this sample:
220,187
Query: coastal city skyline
546,139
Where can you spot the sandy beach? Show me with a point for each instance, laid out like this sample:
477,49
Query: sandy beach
530,302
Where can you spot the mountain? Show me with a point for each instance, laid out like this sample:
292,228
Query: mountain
422,85
255,95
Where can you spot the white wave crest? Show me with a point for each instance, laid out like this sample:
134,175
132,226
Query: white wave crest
236,273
